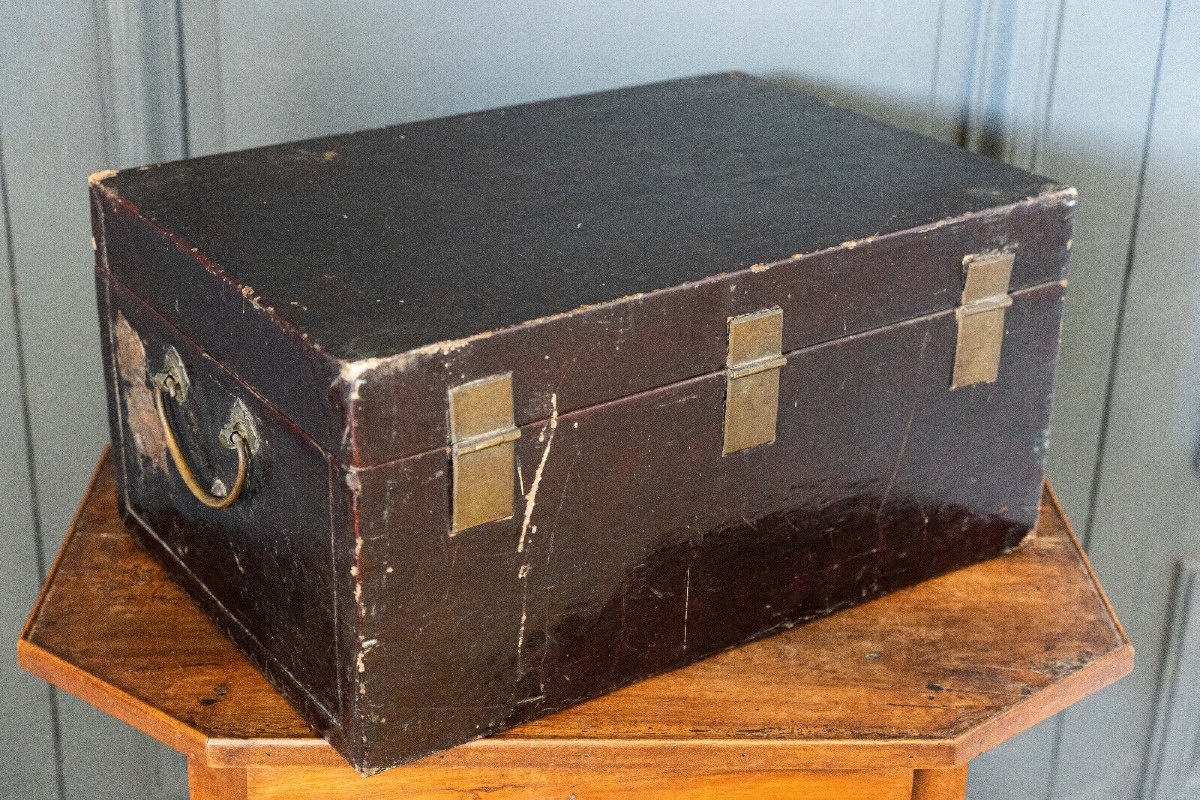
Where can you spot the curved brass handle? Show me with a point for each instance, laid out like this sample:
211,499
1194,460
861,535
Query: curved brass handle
238,434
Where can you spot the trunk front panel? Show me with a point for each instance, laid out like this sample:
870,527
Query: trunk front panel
637,546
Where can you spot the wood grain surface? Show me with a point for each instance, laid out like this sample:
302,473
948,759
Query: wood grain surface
949,783
678,782
926,677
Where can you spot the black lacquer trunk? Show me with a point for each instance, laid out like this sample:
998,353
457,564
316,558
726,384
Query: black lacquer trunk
543,400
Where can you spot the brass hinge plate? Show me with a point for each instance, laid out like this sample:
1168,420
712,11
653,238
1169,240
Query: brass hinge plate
981,318
483,436
752,383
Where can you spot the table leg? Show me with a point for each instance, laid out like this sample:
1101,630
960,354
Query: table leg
940,784
209,783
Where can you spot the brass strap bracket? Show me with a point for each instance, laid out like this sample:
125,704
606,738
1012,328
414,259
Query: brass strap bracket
482,437
981,318
752,379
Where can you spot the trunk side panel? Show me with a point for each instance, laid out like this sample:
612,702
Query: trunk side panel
262,566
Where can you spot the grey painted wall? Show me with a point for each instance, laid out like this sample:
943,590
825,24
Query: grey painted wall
1101,94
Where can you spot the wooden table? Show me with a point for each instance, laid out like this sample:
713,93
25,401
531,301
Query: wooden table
885,701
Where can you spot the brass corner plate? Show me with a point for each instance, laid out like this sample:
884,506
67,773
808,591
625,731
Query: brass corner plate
752,385
981,318
483,450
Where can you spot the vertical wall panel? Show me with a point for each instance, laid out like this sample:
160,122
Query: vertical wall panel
200,50
1031,72
1173,760
307,67
1147,510
1014,45
1093,135
27,735
51,139
1010,81
955,63
139,80
52,96
1094,140
1077,112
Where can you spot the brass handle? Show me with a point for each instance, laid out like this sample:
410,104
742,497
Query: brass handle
238,434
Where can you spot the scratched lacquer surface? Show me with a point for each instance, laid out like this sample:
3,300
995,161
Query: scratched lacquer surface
339,288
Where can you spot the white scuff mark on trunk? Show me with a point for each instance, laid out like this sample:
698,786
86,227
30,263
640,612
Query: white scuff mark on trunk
365,646
356,572
523,575
102,175
687,595
887,491
531,498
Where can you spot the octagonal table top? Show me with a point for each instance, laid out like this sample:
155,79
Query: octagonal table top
926,677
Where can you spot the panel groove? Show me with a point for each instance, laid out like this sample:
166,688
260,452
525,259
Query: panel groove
950,71
104,78
1138,496
22,371
1039,148
935,66
30,464
60,780
1039,143
185,132
986,132
970,99
202,64
970,96
1170,761
1123,294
